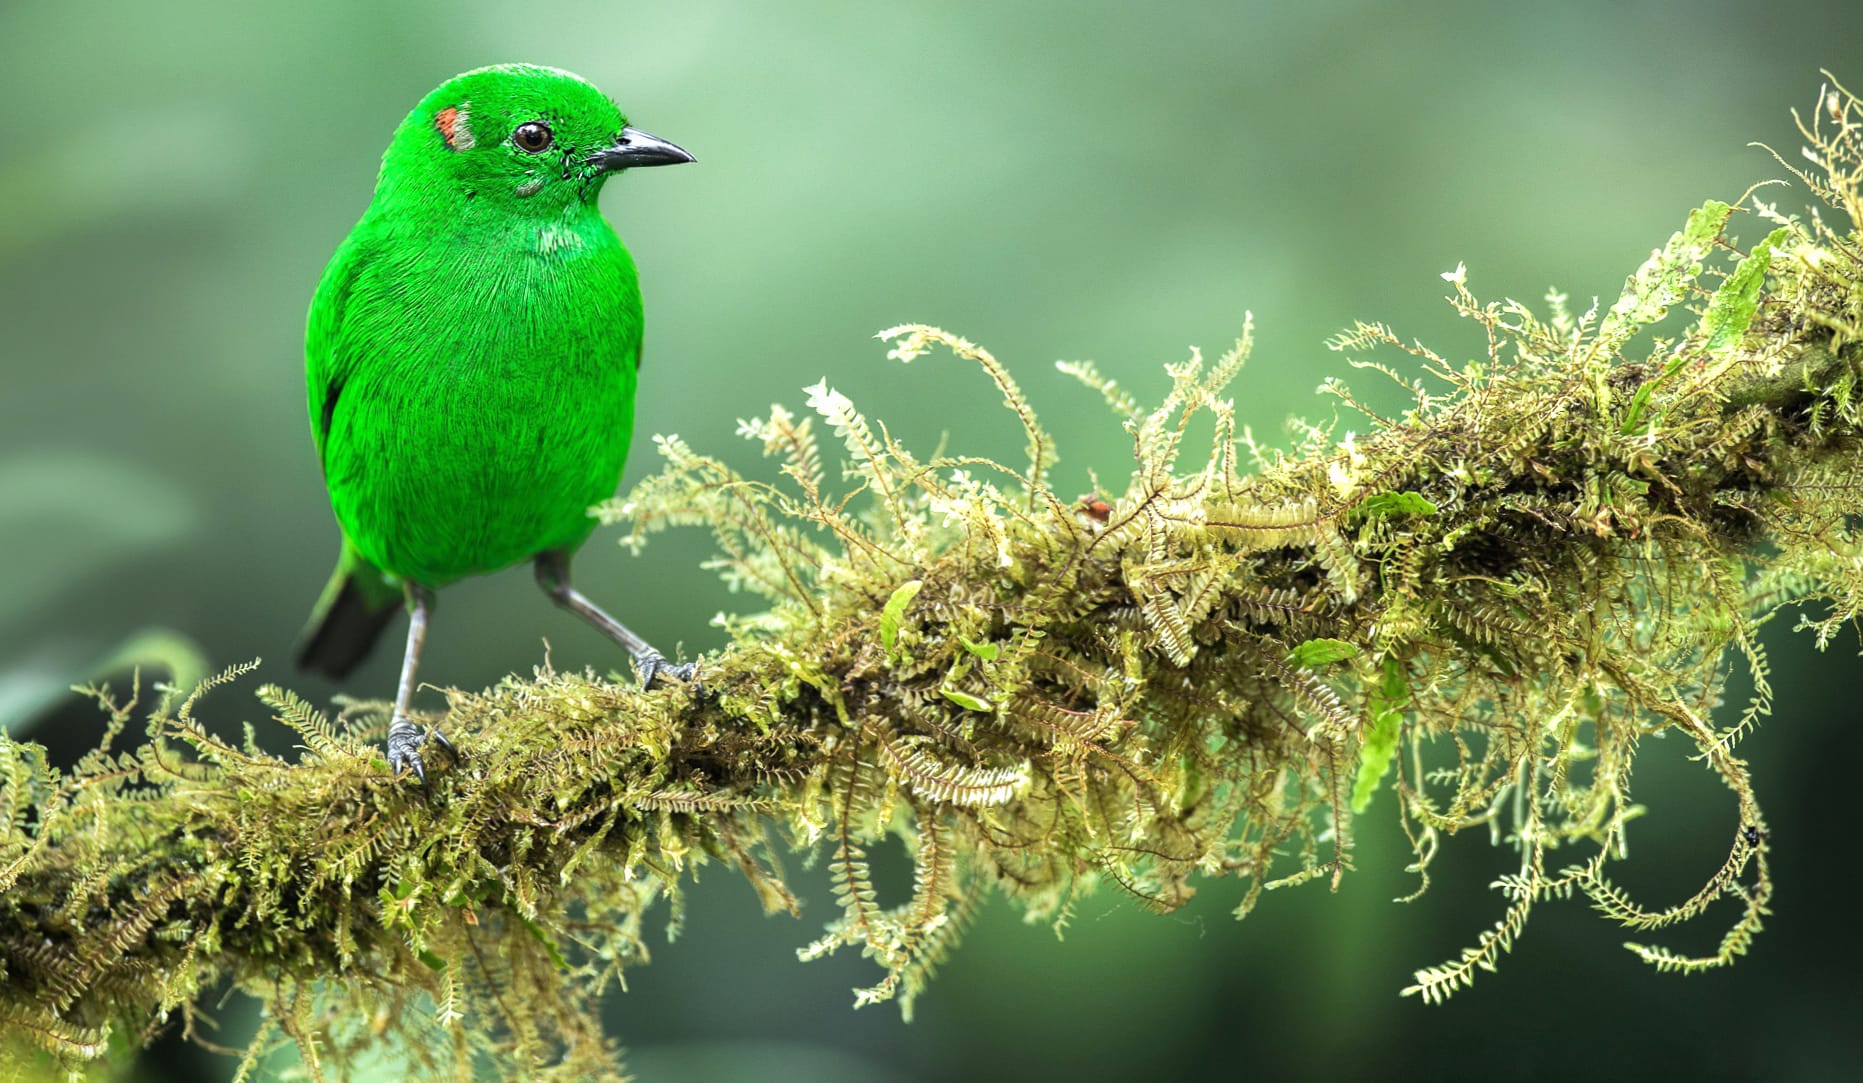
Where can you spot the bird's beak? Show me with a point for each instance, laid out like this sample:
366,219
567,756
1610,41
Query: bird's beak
634,147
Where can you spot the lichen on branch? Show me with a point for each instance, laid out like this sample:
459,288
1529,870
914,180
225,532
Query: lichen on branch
1471,615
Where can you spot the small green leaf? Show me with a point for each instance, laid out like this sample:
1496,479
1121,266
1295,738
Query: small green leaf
1705,223
1389,503
549,945
1315,653
1731,311
986,650
433,961
1387,701
1664,278
895,609
966,700
1633,414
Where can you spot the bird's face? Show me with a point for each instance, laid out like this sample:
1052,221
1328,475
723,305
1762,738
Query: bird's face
529,138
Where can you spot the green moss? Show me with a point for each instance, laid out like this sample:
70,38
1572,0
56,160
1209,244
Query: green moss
1544,560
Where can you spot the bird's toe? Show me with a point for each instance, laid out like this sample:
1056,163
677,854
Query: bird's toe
404,743
688,673
655,667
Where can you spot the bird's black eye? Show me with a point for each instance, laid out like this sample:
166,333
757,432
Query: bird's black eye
533,137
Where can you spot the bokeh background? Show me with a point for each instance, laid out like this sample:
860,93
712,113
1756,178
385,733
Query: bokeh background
1113,181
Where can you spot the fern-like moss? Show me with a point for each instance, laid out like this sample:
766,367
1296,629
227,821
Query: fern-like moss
1544,560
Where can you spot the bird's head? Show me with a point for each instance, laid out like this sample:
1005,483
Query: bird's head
534,138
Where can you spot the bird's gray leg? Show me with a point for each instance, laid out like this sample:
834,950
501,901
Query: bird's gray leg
404,737
553,577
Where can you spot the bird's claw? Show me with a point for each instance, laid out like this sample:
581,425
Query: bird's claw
404,742
654,666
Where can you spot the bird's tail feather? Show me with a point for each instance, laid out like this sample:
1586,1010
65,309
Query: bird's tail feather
354,609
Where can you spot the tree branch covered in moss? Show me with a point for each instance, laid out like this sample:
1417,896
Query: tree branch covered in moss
1482,607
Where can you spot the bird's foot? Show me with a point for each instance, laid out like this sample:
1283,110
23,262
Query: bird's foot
654,666
404,742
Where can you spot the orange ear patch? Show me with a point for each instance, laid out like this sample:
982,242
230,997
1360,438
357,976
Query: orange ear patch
453,128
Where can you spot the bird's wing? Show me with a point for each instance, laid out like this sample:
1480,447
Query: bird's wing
329,356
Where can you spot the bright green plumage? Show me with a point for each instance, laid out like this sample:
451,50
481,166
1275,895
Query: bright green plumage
472,349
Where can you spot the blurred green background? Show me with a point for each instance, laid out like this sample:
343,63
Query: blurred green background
1105,180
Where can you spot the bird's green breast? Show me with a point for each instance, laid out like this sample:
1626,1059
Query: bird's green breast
479,389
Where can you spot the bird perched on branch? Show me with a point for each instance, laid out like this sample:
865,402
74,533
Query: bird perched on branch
471,358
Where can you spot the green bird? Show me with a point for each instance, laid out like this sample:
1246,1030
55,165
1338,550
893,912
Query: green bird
471,359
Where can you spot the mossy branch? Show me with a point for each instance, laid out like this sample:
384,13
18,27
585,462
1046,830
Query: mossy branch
1489,599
